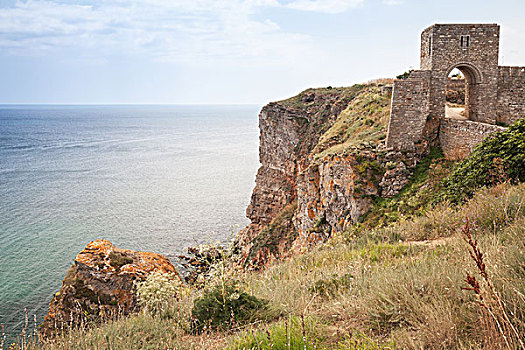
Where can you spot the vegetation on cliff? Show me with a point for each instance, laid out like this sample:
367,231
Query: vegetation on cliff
420,193
278,236
499,158
363,122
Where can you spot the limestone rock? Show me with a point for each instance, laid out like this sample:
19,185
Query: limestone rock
332,196
100,284
297,198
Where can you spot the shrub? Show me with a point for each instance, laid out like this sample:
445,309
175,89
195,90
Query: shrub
499,157
405,75
225,306
158,293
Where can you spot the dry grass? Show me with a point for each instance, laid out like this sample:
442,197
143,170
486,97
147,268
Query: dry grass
364,121
489,210
406,293
371,292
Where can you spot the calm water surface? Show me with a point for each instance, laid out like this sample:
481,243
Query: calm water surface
151,178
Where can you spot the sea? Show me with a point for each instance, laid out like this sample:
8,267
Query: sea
155,178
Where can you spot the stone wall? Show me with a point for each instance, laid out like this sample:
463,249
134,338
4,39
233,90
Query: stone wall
409,110
459,137
511,94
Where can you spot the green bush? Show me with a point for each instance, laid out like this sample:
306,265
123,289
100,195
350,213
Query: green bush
500,157
224,307
405,75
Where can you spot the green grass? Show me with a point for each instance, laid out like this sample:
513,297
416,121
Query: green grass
362,123
291,333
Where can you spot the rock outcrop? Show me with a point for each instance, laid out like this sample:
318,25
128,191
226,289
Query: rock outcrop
289,131
334,194
323,161
100,284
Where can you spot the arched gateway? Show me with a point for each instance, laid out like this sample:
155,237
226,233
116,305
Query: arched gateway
473,78
493,94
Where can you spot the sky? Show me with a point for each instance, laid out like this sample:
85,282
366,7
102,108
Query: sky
221,51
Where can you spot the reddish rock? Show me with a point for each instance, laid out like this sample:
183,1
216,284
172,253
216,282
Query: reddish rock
100,284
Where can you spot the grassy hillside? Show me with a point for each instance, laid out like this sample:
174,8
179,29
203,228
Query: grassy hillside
383,290
364,121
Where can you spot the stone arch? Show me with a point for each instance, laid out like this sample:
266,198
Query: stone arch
471,72
473,79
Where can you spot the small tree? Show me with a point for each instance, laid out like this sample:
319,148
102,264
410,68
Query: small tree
224,306
404,75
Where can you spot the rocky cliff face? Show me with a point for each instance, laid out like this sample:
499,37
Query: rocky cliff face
289,130
100,284
333,195
322,164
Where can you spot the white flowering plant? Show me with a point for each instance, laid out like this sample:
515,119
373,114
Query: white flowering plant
160,293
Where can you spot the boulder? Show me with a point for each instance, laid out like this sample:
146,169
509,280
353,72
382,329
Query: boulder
100,284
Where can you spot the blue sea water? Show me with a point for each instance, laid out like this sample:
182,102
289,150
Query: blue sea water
149,178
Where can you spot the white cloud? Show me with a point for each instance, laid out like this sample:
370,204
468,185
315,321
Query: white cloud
163,30
326,6
166,30
393,2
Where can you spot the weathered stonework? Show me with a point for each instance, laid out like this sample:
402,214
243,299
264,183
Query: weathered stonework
511,94
410,101
493,94
459,137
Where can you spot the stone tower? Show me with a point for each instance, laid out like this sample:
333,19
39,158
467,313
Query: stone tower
493,94
474,50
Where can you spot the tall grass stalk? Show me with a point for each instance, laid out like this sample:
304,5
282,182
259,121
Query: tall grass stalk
499,316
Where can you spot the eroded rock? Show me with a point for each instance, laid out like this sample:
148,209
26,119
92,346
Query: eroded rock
100,284
301,196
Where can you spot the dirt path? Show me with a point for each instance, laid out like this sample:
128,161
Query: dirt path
455,112
429,243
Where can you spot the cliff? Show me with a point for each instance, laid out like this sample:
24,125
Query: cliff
100,284
322,164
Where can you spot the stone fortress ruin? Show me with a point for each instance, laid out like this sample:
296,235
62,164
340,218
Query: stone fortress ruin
494,96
